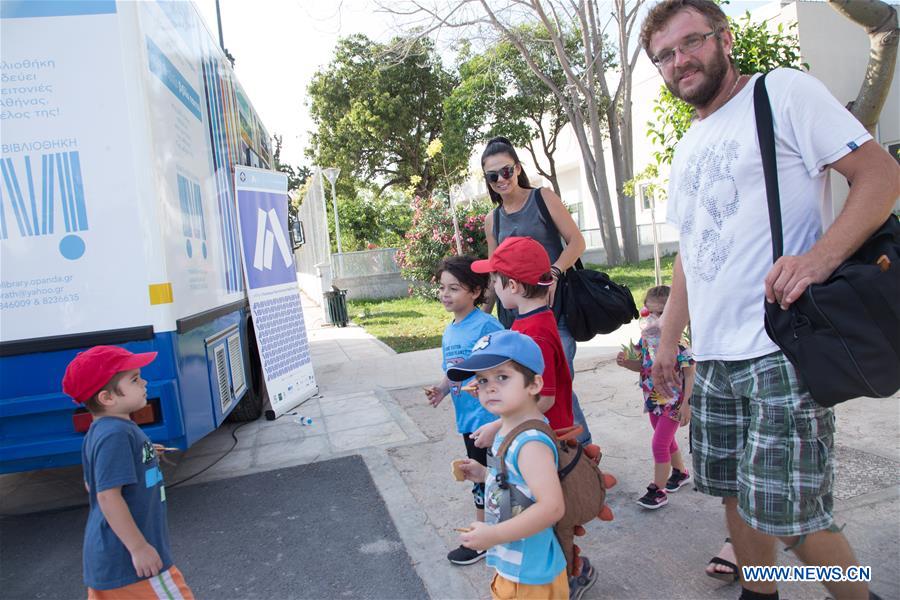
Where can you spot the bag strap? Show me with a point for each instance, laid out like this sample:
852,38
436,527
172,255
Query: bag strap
765,132
545,212
497,226
512,435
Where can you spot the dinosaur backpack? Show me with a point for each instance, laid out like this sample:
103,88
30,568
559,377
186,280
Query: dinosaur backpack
583,485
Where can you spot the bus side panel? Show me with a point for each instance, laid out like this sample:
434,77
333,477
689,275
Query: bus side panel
72,258
37,425
204,401
196,219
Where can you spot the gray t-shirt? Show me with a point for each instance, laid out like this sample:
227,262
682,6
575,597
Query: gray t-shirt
528,222
116,452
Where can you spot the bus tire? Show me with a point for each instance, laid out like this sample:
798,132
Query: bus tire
250,408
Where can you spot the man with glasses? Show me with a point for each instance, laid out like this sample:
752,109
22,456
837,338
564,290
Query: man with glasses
759,441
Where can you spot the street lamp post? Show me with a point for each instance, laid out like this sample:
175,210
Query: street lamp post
331,174
454,192
656,263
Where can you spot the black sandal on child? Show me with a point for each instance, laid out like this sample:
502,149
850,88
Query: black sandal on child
725,576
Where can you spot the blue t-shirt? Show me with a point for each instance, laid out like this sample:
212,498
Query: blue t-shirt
457,346
117,453
535,560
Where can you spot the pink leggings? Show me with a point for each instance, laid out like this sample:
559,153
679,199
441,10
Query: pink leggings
664,444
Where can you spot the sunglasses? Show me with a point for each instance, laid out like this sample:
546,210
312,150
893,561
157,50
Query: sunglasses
505,173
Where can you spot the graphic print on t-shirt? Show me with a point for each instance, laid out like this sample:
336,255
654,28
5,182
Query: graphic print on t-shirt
455,386
709,183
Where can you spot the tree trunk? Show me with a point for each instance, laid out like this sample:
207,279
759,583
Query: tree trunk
880,22
599,189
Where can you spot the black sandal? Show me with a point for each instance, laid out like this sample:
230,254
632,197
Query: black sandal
732,577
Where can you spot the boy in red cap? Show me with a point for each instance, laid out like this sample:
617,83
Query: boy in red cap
522,282
126,540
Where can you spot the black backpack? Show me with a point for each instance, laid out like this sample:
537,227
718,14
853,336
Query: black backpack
842,335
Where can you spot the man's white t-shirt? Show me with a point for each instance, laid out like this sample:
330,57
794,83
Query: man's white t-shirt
717,200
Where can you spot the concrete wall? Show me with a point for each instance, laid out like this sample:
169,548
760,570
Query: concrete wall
598,255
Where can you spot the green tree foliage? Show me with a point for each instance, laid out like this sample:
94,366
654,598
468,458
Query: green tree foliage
376,107
499,94
757,49
369,220
430,238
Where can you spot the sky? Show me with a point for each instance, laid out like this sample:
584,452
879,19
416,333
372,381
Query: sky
279,44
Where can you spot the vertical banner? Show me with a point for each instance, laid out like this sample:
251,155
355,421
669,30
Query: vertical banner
272,287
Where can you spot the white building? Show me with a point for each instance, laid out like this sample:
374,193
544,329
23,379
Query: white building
836,50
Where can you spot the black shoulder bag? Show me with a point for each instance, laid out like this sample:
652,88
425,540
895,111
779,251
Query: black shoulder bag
842,335
591,302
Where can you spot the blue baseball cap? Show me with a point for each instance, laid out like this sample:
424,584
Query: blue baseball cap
497,348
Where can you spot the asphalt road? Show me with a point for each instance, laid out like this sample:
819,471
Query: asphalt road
314,531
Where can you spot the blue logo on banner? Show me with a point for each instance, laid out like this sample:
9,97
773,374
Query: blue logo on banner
264,225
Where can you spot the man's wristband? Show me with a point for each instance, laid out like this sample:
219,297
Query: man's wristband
556,272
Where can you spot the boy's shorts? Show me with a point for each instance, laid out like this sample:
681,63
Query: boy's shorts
168,585
757,434
504,589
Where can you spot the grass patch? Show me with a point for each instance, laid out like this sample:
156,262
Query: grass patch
404,324
410,324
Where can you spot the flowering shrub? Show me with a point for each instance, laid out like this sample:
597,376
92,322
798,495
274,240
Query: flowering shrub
431,238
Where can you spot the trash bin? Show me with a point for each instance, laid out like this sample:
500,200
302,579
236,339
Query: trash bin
336,307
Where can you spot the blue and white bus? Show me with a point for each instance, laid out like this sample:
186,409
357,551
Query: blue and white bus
122,123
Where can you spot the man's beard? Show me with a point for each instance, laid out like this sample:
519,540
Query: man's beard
715,74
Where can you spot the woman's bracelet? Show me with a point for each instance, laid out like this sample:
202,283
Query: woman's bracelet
556,272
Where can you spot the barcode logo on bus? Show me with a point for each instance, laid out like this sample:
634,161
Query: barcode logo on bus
36,196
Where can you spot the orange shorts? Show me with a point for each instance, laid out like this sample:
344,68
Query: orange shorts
504,589
168,585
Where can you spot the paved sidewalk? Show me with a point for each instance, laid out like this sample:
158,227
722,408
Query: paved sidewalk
370,403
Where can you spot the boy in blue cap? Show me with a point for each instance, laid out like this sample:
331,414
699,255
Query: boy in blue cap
522,548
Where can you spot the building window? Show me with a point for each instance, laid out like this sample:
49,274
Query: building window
646,196
894,150
576,209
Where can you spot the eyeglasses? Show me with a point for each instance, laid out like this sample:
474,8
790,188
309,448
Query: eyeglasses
504,173
689,45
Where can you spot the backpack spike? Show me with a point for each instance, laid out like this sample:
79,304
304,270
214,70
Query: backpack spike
593,452
568,433
606,513
609,481
579,530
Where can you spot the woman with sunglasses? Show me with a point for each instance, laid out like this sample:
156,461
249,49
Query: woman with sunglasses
518,214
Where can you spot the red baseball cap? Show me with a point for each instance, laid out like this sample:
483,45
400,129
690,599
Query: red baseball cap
90,370
520,258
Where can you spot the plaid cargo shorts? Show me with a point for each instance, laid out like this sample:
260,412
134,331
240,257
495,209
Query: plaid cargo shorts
757,434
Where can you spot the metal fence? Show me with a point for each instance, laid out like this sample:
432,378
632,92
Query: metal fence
664,232
316,249
366,262
381,261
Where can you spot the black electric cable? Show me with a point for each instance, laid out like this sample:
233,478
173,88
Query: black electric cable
215,462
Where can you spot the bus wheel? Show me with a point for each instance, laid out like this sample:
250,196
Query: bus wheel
251,405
